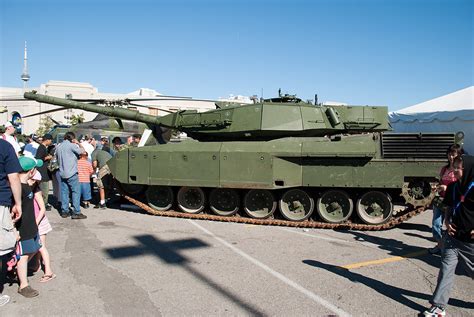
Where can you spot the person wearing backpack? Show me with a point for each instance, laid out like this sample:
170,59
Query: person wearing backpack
459,241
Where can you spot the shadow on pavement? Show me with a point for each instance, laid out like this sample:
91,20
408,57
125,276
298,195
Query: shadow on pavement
415,235
414,226
167,251
399,248
395,293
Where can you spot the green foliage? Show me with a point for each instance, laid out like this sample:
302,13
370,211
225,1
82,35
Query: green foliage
45,125
77,118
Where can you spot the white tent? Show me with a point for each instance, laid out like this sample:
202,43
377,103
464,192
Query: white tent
450,113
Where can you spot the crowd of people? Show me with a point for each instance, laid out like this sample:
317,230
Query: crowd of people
25,175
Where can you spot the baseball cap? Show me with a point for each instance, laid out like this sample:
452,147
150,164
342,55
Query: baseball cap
8,124
47,136
28,163
37,176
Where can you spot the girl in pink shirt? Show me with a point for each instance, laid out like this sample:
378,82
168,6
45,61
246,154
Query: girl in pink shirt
446,177
44,227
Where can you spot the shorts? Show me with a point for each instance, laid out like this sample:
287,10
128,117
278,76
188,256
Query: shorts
30,246
103,172
86,191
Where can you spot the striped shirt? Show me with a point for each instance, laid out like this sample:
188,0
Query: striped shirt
85,170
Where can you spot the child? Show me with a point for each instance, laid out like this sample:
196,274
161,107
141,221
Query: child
30,241
43,228
85,171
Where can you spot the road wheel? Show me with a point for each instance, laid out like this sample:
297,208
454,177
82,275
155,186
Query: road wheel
335,206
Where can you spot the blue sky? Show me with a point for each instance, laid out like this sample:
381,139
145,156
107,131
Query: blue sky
394,53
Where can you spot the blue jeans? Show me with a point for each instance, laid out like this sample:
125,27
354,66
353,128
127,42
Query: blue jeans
437,224
454,252
86,191
71,185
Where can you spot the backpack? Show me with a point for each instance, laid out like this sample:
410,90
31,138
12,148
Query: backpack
7,232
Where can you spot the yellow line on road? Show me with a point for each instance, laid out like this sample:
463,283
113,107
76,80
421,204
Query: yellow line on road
386,260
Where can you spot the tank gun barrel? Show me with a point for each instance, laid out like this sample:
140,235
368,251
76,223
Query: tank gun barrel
111,111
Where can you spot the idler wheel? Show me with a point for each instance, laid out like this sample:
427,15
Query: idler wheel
335,206
160,197
374,208
259,203
191,199
224,201
418,193
296,205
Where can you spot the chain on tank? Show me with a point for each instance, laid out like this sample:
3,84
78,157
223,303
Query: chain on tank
401,217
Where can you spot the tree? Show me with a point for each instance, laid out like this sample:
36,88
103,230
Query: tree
77,118
45,125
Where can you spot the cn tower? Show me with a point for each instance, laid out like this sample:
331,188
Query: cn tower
25,76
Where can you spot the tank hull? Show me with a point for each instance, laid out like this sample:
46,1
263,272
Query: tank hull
350,162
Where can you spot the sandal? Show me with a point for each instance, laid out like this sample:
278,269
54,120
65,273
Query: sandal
28,292
47,278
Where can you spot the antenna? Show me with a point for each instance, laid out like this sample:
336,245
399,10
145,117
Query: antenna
25,76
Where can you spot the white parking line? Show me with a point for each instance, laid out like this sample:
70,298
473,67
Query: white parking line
279,276
317,236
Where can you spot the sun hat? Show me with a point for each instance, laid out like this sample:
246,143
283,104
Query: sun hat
8,124
28,163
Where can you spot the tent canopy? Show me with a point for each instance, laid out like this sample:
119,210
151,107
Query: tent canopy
450,113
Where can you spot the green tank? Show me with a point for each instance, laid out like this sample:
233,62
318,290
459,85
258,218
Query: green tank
280,154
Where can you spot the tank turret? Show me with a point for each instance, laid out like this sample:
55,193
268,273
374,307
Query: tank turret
270,119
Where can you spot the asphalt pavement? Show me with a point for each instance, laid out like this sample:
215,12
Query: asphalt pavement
127,263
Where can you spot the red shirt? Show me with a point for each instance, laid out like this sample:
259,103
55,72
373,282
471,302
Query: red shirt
447,177
85,170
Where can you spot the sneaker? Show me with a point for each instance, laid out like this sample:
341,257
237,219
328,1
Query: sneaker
100,206
435,311
86,205
4,299
28,292
64,214
78,216
435,250
48,207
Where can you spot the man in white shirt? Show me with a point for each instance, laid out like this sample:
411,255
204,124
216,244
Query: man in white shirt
8,136
88,147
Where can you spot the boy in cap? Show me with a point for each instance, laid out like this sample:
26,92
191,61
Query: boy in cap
30,241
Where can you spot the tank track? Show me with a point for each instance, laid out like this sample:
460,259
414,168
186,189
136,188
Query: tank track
401,217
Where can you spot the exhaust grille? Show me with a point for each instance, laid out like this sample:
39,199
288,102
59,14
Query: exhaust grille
416,145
